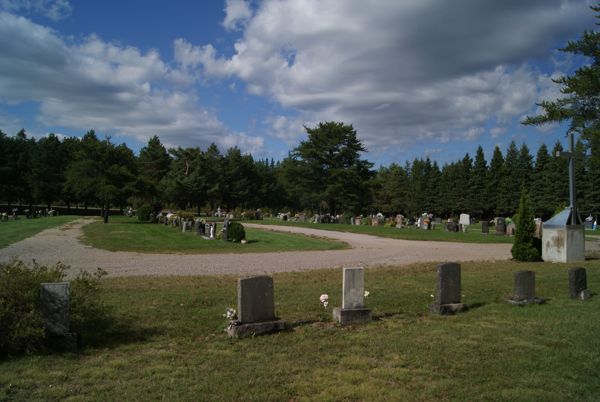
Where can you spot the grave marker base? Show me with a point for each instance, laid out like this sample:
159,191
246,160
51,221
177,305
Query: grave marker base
352,315
239,330
584,294
447,309
521,303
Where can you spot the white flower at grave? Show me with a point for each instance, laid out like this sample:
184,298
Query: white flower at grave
367,293
324,298
230,313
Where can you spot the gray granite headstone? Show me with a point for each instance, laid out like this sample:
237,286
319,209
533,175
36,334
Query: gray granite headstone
353,288
54,299
448,283
485,227
256,299
577,282
225,236
500,226
448,296
524,285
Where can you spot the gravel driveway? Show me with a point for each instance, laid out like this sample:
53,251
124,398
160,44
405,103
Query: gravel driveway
62,244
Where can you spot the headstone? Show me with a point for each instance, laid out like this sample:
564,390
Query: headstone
105,215
213,230
524,292
352,220
485,227
578,284
256,308
54,305
183,226
353,310
448,296
451,227
358,220
224,235
500,226
464,219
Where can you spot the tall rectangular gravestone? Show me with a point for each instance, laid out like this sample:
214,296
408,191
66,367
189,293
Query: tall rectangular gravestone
353,310
256,308
485,227
524,291
448,296
578,284
54,305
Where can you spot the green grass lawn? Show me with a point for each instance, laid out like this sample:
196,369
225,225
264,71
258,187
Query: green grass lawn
169,343
12,231
127,234
473,235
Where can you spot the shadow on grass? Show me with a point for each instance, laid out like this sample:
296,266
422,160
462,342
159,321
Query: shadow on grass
116,332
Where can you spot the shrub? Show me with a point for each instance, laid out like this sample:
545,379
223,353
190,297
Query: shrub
185,215
236,232
21,324
143,213
525,248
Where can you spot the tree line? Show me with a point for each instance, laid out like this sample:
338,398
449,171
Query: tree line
326,173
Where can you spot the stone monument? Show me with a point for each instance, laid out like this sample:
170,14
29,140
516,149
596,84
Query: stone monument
256,308
448,297
524,292
353,310
54,303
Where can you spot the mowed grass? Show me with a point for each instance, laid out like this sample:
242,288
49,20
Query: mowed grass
12,231
170,343
473,235
127,234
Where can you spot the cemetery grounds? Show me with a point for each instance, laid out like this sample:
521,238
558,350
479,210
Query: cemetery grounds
166,340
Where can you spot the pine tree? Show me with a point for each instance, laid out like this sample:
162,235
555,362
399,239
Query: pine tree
525,247
510,182
478,204
493,181
541,190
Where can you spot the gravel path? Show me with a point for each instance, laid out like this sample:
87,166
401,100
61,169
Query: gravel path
62,244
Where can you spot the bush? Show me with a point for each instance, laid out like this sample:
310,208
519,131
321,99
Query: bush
143,213
185,215
236,232
21,324
525,248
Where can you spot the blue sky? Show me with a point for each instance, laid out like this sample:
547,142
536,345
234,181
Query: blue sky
416,78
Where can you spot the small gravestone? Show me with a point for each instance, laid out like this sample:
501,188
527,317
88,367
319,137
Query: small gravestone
448,297
256,308
353,310
54,305
105,215
578,284
183,226
464,221
524,292
224,235
500,226
485,227
451,227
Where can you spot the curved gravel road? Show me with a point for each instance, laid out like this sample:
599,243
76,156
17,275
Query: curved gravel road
62,244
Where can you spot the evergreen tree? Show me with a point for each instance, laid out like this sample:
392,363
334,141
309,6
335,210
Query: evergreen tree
478,204
493,181
510,182
153,165
541,188
558,173
48,165
525,246
524,165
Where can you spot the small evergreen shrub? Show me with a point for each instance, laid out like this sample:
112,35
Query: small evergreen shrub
143,213
236,232
525,246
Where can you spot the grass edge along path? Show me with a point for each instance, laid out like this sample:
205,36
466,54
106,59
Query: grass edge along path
12,231
126,234
173,345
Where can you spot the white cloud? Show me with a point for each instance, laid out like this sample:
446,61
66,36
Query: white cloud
497,131
400,71
55,10
237,14
108,87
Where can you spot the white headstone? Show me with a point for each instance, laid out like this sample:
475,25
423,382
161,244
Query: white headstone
464,219
353,288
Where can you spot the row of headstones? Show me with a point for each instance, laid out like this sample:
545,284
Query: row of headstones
256,301
257,313
206,230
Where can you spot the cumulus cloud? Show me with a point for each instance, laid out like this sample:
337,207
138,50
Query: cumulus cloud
55,10
108,87
237,14
400,71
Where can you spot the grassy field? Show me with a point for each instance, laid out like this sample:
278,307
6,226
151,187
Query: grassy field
473,235
168,343
12,231
127,234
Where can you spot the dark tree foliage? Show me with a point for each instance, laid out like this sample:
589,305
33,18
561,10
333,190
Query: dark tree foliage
153,164
330,168
525,246
478,203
